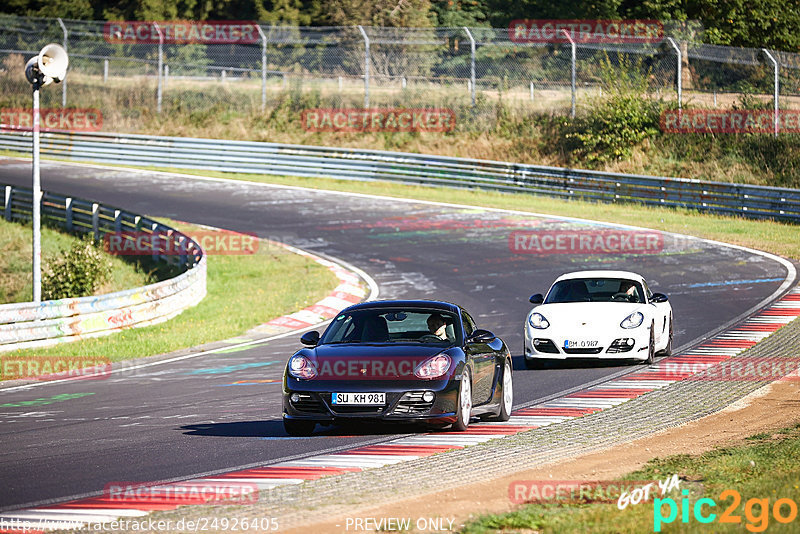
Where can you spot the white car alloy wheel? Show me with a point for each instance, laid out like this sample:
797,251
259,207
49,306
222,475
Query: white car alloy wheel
464,402
508,388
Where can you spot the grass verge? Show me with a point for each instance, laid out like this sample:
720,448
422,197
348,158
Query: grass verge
16,280
770,236
761,472
243,291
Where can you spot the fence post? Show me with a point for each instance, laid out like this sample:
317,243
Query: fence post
263,68
154,242
96,220
64,81
68,209
677,48
572,77
105,70
471,64
366,66
9,191
160,65
776,87
531,91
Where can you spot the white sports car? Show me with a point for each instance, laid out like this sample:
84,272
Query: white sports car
598,314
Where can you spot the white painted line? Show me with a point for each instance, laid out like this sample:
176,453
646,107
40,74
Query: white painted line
262,483
111,512
642,384
345,460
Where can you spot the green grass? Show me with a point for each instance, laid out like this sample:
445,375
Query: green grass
778,238
767,467
243,291
15,262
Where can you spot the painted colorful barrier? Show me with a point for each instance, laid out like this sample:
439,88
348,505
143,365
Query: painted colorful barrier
27,324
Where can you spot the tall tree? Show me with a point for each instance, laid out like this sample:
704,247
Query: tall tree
398,13
458,13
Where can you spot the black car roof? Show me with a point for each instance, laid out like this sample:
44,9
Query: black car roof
427,304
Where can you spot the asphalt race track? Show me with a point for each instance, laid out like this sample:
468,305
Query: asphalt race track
221,411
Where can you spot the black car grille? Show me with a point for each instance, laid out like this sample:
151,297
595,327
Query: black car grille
355,409
592,350
545,345
308,402
362,410
621,345
411,403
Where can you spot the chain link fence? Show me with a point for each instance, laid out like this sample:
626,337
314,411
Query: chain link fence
468,70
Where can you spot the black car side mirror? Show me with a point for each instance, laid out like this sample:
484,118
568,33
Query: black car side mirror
481,336
310,338
658,297
538,298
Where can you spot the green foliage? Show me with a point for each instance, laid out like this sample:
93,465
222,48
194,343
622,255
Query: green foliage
458,13
615,123
79,272
612,128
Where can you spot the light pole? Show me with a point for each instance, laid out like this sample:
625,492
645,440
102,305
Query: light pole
48,67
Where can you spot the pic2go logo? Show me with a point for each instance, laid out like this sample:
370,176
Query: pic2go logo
756,511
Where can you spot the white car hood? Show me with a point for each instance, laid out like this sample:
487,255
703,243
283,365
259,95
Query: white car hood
587,315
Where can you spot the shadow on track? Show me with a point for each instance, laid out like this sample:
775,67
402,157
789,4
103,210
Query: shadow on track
518,363
274,429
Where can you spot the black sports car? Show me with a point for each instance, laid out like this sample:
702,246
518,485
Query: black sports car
415,360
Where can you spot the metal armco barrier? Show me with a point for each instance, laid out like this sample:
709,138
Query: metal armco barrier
26,325
357,164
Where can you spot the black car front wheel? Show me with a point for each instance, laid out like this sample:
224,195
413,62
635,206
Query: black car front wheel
296,427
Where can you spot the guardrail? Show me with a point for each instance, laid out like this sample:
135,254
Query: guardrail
26,324
358,164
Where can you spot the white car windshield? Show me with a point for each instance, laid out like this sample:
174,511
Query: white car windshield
596,290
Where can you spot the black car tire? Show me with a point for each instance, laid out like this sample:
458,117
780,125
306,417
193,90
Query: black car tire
464,400
296,427
668,350
506,402
651,349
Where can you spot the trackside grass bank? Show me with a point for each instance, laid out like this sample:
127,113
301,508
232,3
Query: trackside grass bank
775,237
15,262
243,291
749,487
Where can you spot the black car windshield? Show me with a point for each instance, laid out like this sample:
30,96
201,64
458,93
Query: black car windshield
394,325
596,290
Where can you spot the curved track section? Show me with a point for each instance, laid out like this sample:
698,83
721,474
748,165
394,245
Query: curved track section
221,412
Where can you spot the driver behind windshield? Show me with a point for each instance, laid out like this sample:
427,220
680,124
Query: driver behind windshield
438,326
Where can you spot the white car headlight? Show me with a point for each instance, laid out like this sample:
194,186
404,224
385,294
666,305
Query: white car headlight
537,320
633,320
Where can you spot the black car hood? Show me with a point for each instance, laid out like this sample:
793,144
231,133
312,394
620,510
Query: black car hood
383,350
